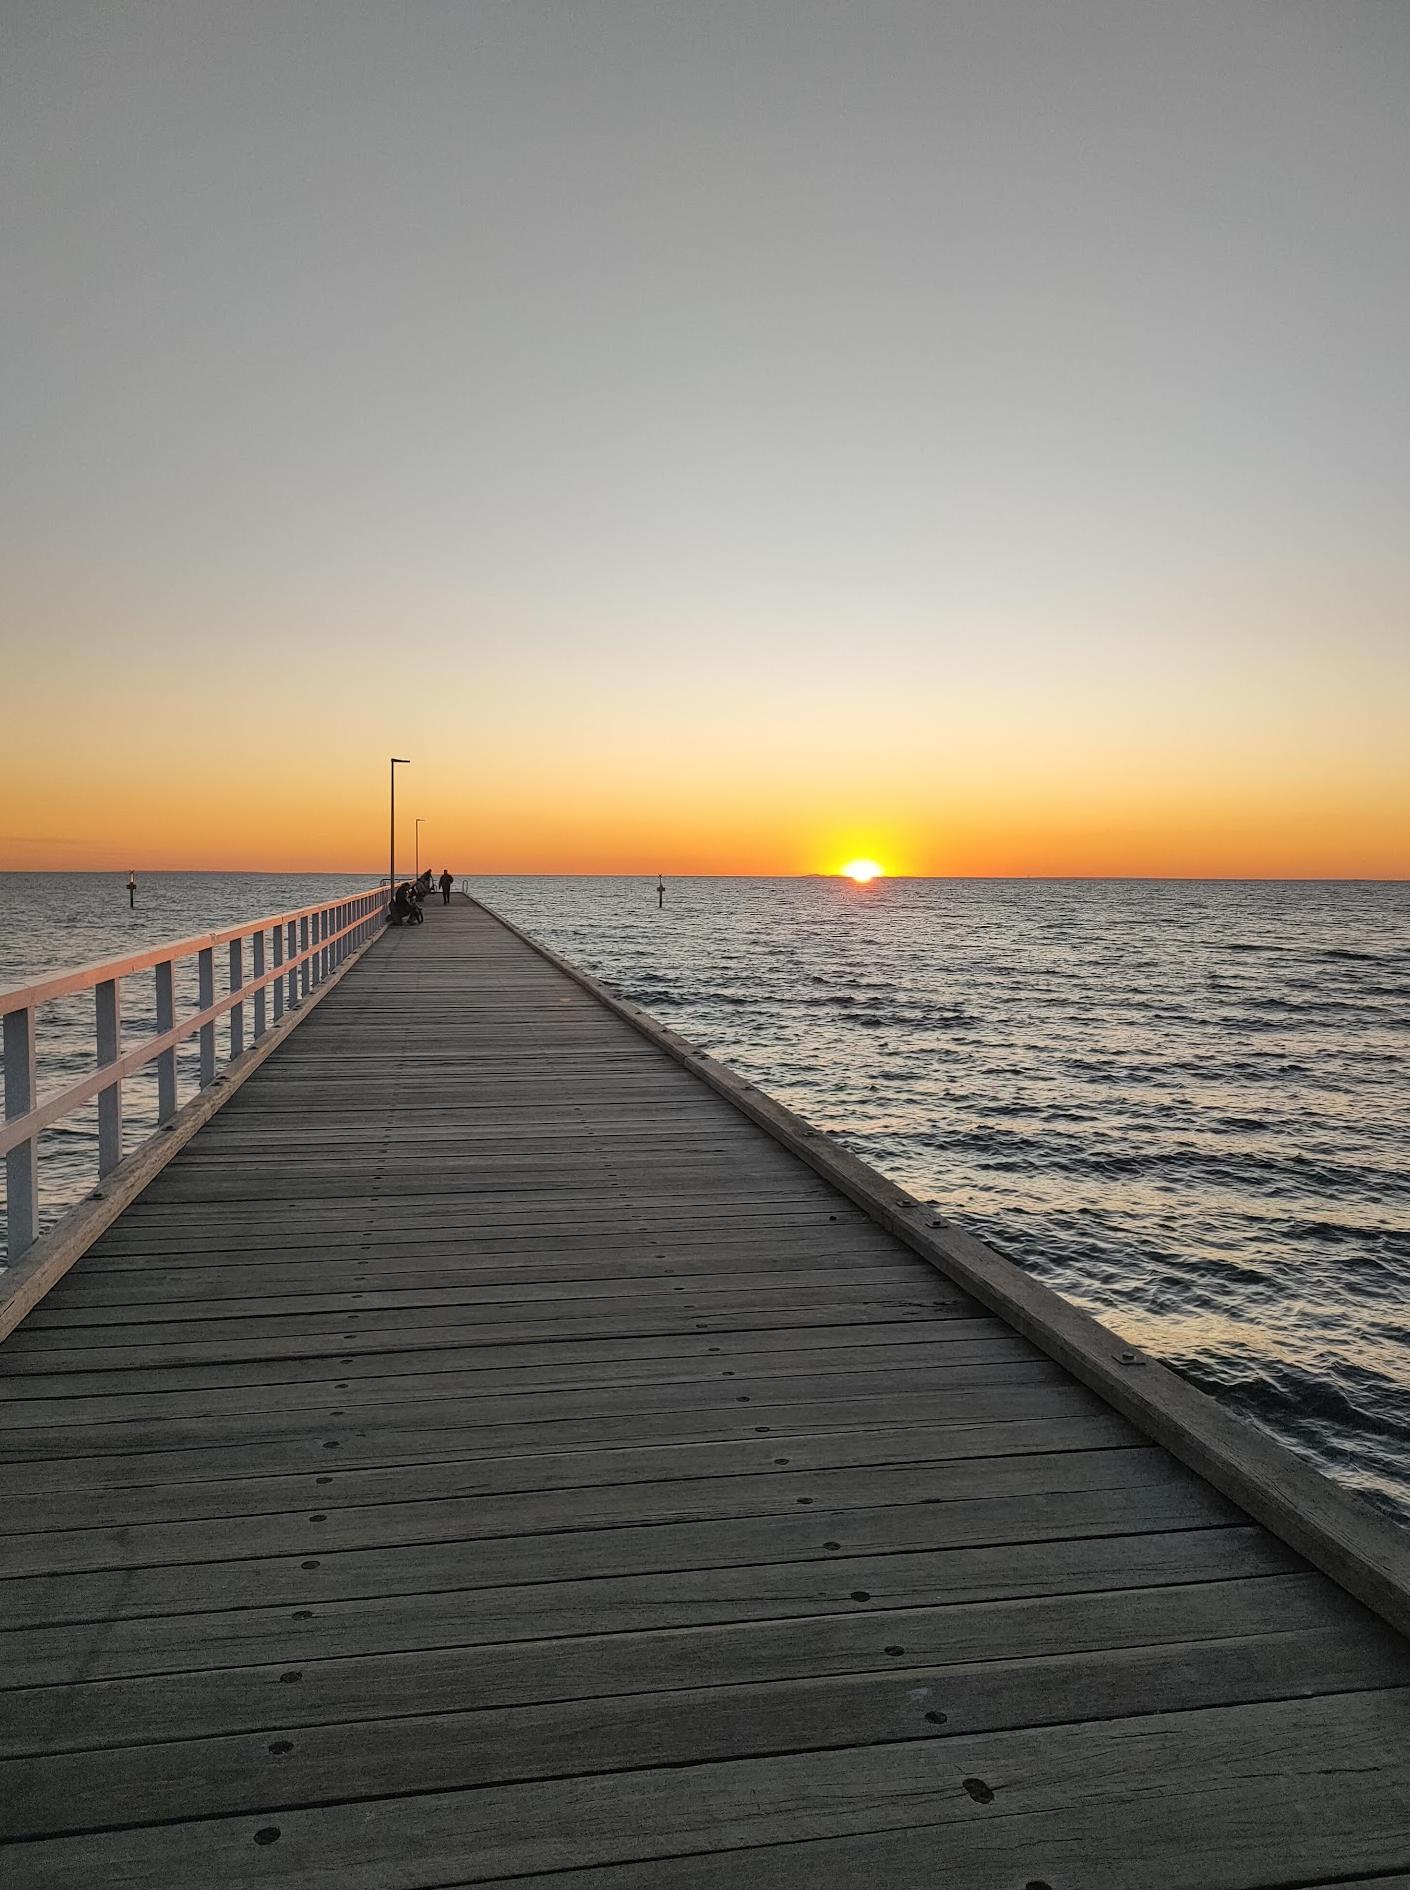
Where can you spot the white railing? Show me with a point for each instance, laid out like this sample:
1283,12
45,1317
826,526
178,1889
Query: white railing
290,954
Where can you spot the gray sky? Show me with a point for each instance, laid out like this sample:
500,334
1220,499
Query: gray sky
923,334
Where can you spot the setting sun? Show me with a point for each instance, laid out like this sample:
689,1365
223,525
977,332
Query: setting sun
862,871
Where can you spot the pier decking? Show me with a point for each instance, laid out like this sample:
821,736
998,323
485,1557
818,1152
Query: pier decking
484,1455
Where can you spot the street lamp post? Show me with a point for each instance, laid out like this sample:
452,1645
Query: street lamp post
398,761
419,819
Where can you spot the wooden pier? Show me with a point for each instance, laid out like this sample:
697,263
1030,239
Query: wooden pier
496,1449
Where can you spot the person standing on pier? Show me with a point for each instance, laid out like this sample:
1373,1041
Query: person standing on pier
446,882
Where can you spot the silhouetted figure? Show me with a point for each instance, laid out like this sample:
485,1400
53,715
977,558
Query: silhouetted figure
446,882
132,889
660,894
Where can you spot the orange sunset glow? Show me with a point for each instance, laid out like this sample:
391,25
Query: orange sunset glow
1216,758
1026,512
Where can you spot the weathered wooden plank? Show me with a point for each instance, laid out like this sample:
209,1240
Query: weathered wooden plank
602,1361
131,1505
469,1426
695,1725
834,1286
412,1443
396,1235
1179,1839
314,1630
336,1336
430,1838
398,1211
89,1714
641,1312
335,1525
310,1574
104,1283
985,1361
132,1242
427,1349
47,1425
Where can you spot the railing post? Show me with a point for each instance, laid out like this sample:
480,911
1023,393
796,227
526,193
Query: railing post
237,1011
21,1176
205,997
294,974
108,1004
257,971
166,1061
276,939
305,968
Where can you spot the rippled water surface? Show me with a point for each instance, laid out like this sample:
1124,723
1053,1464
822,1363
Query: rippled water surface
1184,1105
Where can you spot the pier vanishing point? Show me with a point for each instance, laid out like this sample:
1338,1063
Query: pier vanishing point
479,1440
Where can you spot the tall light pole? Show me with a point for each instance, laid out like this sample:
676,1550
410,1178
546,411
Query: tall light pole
398,761
419,819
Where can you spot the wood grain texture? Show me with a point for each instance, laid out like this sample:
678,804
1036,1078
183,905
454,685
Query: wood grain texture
1260,1762
488,1452
1002,1635
690,1725
371,1625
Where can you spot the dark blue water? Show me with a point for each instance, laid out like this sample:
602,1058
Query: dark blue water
1185,1106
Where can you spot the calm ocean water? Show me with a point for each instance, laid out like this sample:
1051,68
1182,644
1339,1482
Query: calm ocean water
1184,1105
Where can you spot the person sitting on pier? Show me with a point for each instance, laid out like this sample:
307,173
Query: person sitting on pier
445,882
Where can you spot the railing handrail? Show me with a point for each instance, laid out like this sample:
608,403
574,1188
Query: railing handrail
63,1102
23,997
305,947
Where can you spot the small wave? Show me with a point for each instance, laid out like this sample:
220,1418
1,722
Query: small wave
649,997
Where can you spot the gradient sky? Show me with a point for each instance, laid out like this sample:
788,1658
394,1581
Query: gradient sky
730,436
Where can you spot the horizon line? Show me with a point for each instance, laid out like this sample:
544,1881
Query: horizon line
1168,879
